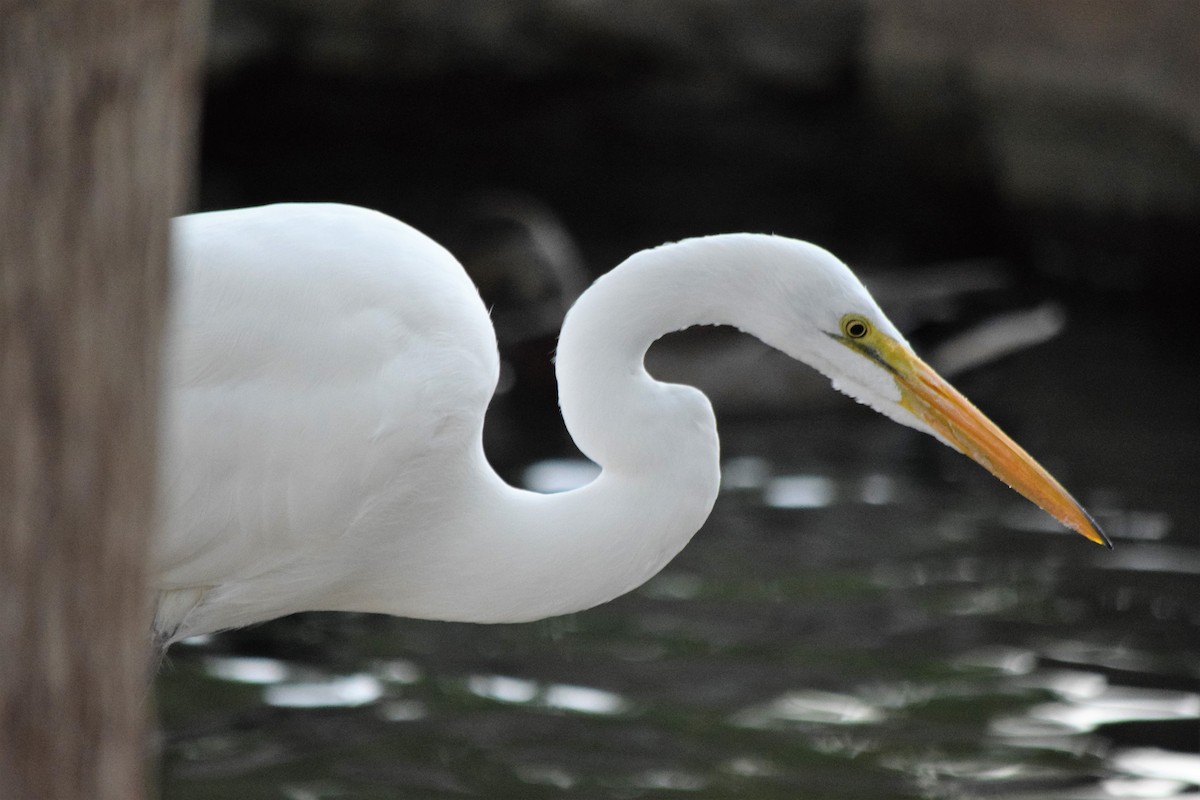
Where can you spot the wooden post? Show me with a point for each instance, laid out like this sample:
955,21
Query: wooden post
96,120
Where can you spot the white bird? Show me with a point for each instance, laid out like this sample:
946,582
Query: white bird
327,369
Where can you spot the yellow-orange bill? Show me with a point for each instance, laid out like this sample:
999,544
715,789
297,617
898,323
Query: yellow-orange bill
940,406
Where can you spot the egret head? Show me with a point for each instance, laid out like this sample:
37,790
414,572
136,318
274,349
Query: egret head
842,332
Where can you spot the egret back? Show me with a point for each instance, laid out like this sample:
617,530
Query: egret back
327,370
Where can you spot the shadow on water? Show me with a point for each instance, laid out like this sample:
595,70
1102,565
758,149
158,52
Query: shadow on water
865,615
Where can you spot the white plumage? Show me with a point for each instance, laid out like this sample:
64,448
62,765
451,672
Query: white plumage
327,369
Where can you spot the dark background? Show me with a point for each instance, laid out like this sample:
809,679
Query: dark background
1060,136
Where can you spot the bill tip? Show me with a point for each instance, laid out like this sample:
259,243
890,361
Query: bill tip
1095,533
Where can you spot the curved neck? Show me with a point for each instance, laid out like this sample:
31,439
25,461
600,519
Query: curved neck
618,415
513,555
510,555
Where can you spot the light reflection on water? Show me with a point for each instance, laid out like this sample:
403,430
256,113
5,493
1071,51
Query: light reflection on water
330,692
799,491
558,475
825,708
1114,705
582,699
1179,768
847,626
242,669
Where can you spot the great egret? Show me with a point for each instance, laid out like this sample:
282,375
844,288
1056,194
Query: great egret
327,371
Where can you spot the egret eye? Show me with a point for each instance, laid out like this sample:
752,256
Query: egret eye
855,327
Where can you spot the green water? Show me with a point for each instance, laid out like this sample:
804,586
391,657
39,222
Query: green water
866,614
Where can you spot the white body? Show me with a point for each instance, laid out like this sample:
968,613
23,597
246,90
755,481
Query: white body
327,373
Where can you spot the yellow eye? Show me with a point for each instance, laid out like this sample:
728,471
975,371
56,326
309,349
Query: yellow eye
855,327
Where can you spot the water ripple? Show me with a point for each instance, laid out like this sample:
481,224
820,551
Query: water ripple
809,706
799,491
349,690
564,697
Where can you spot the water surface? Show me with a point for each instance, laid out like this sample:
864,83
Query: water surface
866,614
